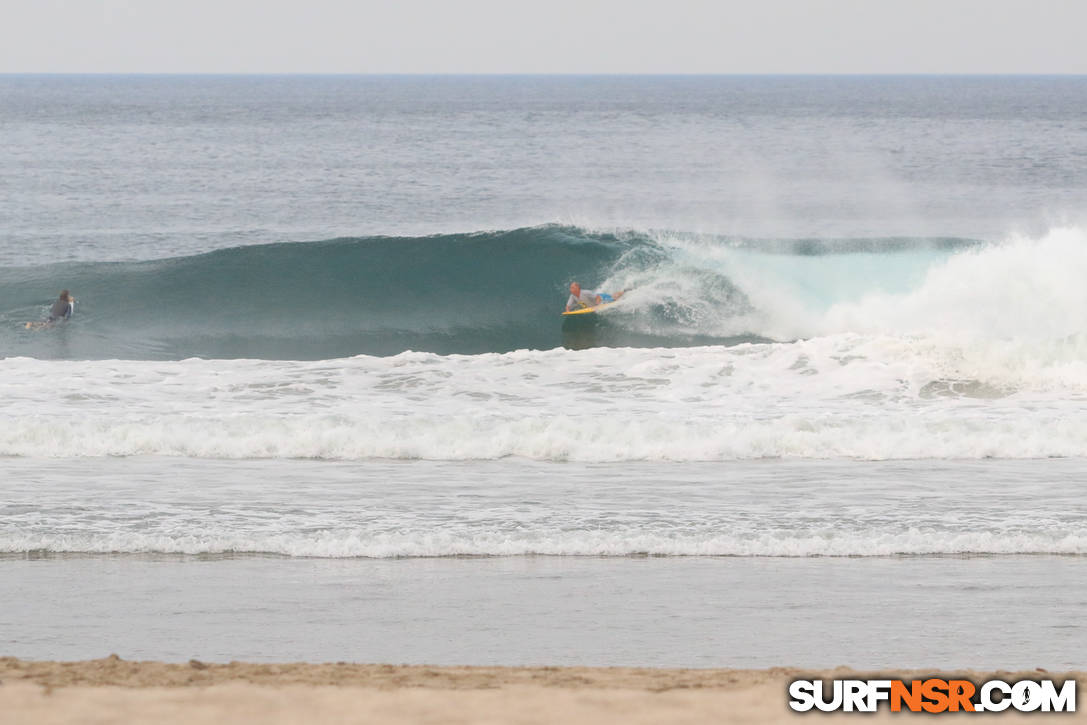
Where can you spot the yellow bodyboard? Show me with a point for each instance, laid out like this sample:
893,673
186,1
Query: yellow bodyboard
587,310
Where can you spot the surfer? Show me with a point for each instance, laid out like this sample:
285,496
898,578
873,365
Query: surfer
61,311
587,297
63,308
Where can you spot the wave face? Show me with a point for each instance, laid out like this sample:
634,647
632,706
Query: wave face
379,296
458,293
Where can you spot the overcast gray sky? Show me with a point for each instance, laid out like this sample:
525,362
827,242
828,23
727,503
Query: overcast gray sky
543,36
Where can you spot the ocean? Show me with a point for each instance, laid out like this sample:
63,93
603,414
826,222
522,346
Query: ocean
317,401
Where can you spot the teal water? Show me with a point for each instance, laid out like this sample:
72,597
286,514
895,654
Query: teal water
454,293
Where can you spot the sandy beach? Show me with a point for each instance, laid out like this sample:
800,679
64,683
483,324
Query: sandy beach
112,690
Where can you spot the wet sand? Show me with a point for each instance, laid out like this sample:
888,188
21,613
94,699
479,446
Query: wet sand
112,690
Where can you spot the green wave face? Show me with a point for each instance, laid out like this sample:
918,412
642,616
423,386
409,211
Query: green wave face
457,293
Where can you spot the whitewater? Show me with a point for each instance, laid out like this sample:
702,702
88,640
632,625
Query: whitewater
837,397
318,384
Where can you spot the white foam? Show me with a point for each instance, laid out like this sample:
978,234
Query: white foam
572,543
1018,288
1024,289
842,396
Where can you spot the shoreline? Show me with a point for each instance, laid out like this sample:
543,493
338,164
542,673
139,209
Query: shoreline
115,671
113,690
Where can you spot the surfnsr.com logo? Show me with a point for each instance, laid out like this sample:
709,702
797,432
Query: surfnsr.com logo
932,695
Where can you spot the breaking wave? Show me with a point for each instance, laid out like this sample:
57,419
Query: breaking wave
463,293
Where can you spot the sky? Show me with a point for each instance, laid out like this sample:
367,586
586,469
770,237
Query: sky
543,36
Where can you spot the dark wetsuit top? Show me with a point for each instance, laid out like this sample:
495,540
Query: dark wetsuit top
62,309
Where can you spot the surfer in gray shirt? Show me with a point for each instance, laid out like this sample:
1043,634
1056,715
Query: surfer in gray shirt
63,308
61,311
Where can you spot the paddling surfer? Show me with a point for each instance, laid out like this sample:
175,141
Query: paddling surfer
61,311
63,308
